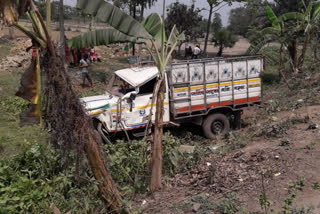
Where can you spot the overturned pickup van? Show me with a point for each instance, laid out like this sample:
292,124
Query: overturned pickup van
208,92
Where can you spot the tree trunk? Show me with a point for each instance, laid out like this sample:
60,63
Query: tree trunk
61,25
220,50
281,61
134,16
156,173
11,33
292,49
48,16
179,48
106,186
208,30
142,11
303,52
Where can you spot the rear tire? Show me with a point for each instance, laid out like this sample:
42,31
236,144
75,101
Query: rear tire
215,124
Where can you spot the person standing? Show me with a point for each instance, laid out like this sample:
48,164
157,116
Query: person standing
196,52
84,65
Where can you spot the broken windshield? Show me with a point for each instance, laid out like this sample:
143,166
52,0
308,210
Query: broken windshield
118,86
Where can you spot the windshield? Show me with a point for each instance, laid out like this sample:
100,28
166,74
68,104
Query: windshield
118,86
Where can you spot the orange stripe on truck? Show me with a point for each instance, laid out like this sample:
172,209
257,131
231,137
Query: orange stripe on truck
239,101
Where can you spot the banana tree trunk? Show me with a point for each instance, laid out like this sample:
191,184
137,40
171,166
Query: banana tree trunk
303,52
48,16
61,25
292,49
107,188
281,68
208,30
156,173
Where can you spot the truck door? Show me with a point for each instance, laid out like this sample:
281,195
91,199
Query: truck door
137,117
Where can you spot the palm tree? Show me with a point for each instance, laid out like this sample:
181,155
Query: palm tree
152,30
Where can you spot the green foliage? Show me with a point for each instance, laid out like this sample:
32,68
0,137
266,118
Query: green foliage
129,162
264,201
240,20
112,15
13,105
185,19
223,38
235,140
316,186
293,188
272,54
68,11
32,180
227,205
100,37
216,24
129,165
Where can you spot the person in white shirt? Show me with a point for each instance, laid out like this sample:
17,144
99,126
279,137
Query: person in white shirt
196,52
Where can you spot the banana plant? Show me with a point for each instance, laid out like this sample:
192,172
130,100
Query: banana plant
152,30
62,109
286,29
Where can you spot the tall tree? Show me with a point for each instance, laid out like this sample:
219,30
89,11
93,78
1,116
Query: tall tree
186,19
216,22
240,20
212,5
223,38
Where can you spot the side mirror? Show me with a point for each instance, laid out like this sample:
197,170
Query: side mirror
130,97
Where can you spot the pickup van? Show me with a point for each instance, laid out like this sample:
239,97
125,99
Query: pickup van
208,92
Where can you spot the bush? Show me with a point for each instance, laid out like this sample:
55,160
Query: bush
129,162
272,54
33,180
13,105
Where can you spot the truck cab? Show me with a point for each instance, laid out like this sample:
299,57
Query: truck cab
126,104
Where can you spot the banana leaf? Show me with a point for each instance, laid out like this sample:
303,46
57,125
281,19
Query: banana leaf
291,16
316,10
116,18
273,18
101,37
302,5
153,25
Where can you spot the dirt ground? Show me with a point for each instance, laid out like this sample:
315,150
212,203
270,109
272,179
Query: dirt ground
240,171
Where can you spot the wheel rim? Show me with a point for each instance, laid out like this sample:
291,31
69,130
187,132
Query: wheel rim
217,127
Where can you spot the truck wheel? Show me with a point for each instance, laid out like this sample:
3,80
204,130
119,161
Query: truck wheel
215,124
103,134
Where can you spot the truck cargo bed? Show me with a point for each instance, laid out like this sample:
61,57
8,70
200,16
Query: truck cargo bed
197,86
